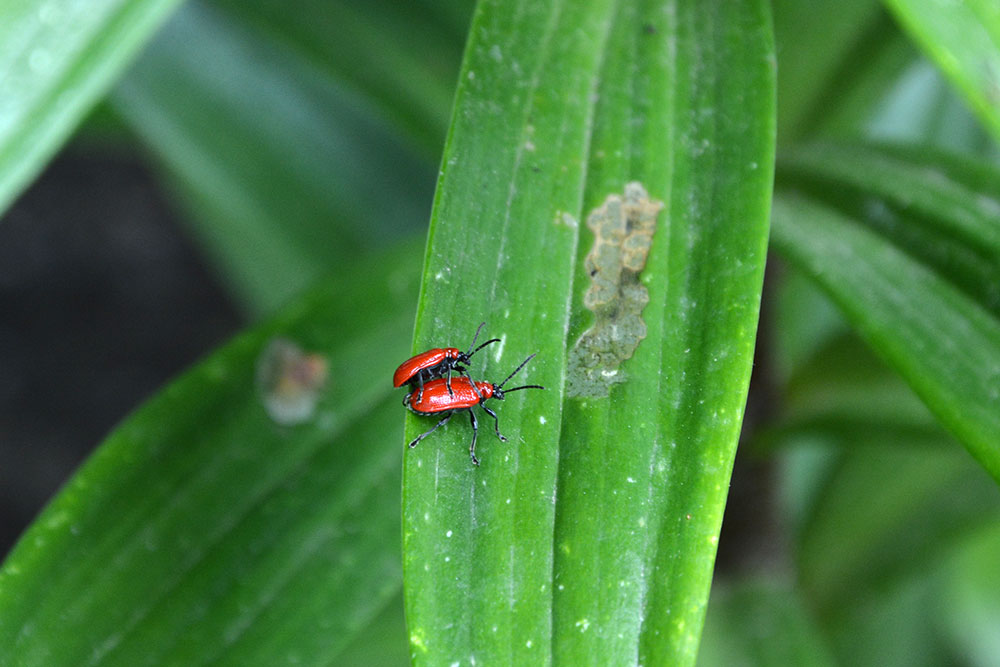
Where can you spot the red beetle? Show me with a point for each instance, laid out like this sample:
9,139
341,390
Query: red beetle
464,394
435,363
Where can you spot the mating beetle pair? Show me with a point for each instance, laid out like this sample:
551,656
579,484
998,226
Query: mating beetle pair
431,394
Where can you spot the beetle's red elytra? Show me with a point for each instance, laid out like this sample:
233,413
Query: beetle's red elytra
437,362
437,397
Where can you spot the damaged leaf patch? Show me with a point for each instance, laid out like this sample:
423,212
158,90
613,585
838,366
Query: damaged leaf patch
623,230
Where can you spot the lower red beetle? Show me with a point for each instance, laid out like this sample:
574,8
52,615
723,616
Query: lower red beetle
418,370
437,398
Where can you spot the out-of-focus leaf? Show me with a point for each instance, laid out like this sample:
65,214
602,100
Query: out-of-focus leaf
401,58
560,105
846,390
922,107
963,39
802,320
57,57
887,512
383,642
918,308
287,174
939,208
970,610
760,623
895,626
203,531
835,59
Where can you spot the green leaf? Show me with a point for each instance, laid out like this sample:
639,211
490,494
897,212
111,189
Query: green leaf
383,642
589,537
943,341
761,623
963,39
942,209
204,531
846,391
927,497
836,58
971,601
401,58
58,57
286,172
873,545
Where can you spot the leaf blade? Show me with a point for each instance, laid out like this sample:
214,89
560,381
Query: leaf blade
58,58
963,39
203,530
545,167
942,342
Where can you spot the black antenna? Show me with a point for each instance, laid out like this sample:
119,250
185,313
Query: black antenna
516,370
527,386
492,340
481,325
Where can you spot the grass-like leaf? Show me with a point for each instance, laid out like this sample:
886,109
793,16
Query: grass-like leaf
589,537
286,172
963,39
204,531
943,341
764,623
928,496
837,58
400,57
57,57
940,208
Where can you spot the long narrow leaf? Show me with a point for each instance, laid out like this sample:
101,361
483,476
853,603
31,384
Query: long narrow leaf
57,57
402,57
287,173
589,536
963,39
204,530
943,342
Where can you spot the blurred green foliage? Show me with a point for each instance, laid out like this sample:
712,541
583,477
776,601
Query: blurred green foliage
302,140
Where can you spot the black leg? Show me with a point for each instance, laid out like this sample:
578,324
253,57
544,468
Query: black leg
447,383
496,423
479,394
420,395
475,432
436,426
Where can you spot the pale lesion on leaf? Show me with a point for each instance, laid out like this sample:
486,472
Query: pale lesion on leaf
623,228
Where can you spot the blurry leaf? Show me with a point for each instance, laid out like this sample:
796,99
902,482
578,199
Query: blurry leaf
922,107
202,531
847,390
942,209
835,59
843,398
971,599
870,551
801,319
760,623
401,58
57,57
885,514
383,642
963,38
896,626
559,106
286,173
944,343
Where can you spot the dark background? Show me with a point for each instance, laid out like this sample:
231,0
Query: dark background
103,299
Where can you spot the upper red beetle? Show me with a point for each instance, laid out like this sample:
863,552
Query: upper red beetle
464,394
418,370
